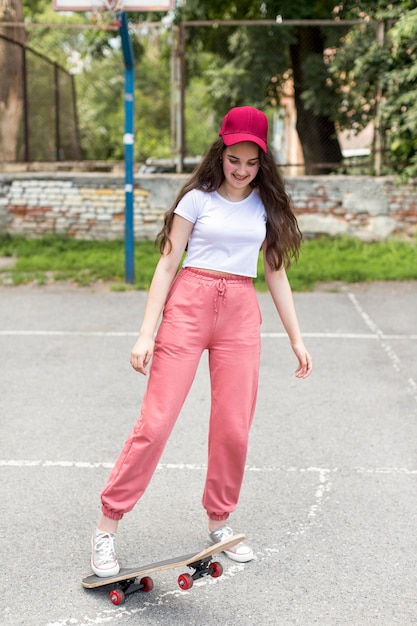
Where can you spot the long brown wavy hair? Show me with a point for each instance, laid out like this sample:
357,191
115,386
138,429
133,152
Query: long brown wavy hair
283,237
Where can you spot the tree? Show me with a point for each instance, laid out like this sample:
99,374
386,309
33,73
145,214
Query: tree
244,72
384,75
100,95
344,78
11,72
95,57
316,129
399,111
375,72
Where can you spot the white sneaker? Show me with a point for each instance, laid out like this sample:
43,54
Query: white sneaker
103,557
241,552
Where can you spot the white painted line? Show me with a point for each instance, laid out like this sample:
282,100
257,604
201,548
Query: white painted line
39,463
267,335
383,339
65,333
323,472
340,335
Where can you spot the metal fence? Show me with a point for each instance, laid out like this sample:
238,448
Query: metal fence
270,64
221,64
42,103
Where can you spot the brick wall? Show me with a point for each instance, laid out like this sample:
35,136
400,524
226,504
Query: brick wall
85,206
91,205
365,207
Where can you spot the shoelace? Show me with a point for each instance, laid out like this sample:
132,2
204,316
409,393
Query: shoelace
104,548
221,534
224,533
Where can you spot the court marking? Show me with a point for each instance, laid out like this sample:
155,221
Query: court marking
384,343
199,467
265,335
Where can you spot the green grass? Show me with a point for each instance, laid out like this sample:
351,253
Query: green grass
58,258
349,260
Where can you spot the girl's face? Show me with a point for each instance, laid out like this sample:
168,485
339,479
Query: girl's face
240,164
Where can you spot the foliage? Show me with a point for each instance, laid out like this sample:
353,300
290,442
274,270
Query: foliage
100,89
100,111
56,43
377,79
360,81
399,112
250,64
153,97
95,57
200,120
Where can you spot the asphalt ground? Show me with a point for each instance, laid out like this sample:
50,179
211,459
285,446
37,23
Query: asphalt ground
329,499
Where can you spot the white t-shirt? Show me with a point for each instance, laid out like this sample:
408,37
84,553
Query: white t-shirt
227,236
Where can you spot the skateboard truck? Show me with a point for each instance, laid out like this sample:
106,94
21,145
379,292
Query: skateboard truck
127,587
202,567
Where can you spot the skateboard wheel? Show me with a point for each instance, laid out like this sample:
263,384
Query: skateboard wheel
185,581
215,569
147,583
117,596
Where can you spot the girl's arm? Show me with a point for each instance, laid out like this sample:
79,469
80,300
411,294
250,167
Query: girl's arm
281,293
162,280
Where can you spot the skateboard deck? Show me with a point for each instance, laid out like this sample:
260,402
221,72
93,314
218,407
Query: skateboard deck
125,582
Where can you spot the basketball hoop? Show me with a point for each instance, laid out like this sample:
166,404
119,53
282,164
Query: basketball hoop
105,14
112,6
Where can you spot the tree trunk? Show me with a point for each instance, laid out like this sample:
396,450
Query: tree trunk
11,77
317,133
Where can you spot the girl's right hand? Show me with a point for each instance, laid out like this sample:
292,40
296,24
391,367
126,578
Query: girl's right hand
142,353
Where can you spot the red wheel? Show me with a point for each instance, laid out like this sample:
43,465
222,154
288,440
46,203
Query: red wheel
147,583
117,596
185,581
215,569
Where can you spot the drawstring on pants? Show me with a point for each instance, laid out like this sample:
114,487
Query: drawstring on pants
221,285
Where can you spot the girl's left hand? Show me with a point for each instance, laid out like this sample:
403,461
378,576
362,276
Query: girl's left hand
305,364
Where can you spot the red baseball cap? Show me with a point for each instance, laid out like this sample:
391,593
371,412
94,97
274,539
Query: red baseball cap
245,124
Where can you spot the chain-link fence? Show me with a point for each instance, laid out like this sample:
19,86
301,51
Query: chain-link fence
299,73
38,100
302,74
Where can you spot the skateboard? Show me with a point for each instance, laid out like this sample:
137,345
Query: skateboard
125,582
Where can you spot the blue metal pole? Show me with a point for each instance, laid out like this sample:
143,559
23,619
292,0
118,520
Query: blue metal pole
129,147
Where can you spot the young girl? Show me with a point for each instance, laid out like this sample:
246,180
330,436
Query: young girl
232,206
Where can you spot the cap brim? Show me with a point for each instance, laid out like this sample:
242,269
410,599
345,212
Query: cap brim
233,138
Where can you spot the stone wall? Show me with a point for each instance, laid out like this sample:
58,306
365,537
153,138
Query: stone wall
91,205
369,208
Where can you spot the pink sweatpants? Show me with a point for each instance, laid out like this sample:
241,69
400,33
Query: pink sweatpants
204,311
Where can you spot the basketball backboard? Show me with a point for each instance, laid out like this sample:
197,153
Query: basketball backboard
113,5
